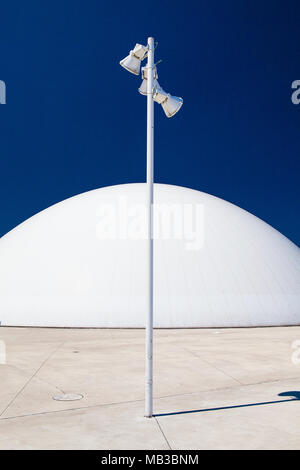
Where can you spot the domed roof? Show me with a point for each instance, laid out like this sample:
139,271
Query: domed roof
81,263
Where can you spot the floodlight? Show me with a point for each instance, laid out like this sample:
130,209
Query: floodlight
170,104
132,62
143,87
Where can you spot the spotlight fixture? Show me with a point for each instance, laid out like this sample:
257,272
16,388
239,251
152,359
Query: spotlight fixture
171,105
132,63
143,87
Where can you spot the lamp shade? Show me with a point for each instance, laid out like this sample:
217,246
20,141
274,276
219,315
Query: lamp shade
143,87
172,105
132,63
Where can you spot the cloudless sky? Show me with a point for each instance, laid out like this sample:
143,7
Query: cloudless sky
74,120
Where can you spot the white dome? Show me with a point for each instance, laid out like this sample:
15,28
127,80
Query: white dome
57,270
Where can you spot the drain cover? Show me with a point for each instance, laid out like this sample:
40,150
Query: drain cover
68,397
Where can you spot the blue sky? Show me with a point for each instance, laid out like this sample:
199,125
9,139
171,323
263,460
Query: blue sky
74,120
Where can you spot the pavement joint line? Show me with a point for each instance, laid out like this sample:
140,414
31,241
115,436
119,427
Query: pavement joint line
229,387
270,381
164,436
100,405
138,400
212,365
29,380
37,378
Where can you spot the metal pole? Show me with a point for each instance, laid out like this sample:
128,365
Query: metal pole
150,155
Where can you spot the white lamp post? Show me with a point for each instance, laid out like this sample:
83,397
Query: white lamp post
170,105
150,168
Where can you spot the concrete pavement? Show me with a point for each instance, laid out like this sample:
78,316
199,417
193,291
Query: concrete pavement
214,389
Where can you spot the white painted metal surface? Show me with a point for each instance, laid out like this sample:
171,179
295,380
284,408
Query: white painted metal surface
132,63
56,271
149,257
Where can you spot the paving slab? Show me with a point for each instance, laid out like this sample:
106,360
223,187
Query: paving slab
247,417
107,427
210,370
